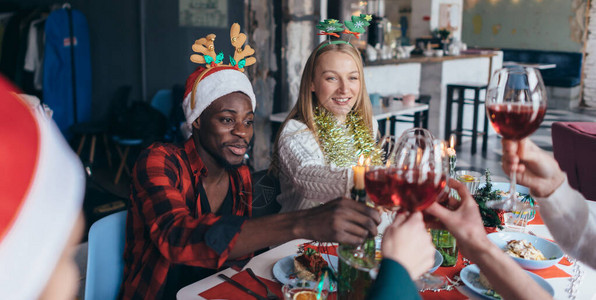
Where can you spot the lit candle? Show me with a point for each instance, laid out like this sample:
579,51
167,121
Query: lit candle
452,155
451,149
359,171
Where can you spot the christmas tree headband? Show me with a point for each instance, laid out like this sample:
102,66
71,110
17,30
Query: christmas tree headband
205,47
332,27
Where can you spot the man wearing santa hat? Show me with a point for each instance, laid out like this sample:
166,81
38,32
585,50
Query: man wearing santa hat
190,207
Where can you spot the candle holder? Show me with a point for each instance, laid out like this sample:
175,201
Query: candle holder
355,262
443,240
452,162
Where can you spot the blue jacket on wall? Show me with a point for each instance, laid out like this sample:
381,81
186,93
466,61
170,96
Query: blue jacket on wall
57,77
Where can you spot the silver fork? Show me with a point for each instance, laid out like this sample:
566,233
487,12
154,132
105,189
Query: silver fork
270,295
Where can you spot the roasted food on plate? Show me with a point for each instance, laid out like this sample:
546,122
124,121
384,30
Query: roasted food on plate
309,265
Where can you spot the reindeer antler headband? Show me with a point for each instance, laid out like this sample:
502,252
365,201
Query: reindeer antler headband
215,79
206,48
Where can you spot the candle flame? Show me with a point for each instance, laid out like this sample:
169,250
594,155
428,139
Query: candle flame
361,160
368,161
452,141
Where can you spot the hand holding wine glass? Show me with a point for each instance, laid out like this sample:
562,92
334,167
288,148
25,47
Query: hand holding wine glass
516,105
422,171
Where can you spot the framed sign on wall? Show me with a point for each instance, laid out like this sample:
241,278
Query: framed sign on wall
203,13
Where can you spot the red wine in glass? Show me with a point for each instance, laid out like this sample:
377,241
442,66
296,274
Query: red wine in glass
515,121
415,194
516,103
381,189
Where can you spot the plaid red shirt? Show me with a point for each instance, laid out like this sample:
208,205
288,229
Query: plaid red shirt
165,225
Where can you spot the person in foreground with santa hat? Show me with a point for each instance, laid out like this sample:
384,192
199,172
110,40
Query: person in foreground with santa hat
42,184
190,207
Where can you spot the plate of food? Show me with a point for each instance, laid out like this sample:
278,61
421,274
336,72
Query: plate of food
308,267
523,193
475,281
529,251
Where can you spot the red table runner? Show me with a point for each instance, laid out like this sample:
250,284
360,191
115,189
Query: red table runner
228,291
537,219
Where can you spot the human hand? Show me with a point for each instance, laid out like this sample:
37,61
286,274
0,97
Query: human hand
342,220
407,241
534,167
465,222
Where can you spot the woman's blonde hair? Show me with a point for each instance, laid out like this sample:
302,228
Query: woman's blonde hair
303,110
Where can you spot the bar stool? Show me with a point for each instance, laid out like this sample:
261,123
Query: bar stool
461,100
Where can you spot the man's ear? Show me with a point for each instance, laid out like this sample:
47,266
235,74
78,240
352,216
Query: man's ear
196,124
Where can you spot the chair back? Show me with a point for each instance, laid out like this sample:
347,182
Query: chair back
105,264
574,145
162,101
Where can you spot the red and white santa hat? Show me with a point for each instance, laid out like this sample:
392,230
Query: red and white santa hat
42,185
212,84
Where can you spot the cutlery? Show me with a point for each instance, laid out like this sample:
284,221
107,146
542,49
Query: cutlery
270,294
241,287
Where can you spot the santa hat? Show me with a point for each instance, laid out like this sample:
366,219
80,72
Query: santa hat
214,80
204,86
42,184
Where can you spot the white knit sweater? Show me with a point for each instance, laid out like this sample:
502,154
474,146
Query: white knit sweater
305,178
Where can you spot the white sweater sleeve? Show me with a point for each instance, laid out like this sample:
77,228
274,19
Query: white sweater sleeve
571,222
305,178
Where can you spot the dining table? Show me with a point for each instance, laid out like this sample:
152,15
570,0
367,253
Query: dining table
559,276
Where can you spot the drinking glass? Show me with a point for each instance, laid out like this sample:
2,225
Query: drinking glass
422,171
470,179
516,105
380,180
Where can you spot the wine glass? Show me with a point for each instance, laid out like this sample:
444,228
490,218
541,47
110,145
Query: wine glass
422,172
516,105
379,180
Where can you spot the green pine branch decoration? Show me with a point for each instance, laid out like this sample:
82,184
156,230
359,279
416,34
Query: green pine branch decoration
490,217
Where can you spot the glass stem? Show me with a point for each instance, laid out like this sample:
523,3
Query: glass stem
513,183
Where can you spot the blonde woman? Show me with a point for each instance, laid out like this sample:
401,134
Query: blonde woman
330,126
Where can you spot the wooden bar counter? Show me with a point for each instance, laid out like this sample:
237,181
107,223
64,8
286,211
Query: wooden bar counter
430,76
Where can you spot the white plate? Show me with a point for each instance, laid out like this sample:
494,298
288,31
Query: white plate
550,250
284,268
504,186
470,277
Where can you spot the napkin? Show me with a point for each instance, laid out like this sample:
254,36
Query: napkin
537,219
564,261
225,290
551,272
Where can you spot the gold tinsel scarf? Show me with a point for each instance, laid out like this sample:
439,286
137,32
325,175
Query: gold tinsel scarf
342,145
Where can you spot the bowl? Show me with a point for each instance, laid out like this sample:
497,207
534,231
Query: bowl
438,261
550,250
429,53
439,53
